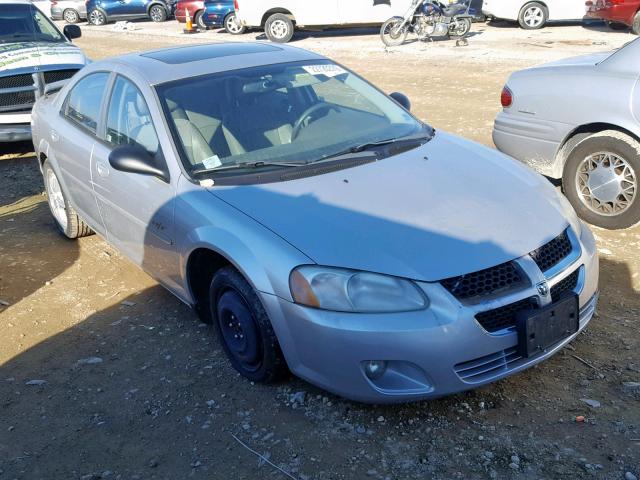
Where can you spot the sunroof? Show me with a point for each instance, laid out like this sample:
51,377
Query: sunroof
179,55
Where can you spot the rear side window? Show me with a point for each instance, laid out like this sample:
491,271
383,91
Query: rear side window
85,100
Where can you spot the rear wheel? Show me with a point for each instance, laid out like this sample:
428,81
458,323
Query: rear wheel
533,16
158,13
97,17
460,27
66,218
394,32
71,16
199,19
279,28
601,179
635,26
244,328
232,25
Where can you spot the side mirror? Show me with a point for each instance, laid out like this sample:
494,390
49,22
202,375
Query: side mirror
135,159
402,99
72,31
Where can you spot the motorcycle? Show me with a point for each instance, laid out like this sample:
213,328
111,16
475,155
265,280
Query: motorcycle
428,18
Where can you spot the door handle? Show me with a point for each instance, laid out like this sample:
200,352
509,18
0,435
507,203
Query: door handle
102,169
54,136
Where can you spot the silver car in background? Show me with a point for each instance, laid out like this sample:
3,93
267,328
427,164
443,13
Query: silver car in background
71,11
579,120
315,222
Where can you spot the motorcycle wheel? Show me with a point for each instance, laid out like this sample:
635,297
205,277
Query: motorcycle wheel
393,33
460,27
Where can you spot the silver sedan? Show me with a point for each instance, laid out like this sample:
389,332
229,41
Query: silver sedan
579,120
71,11
315,222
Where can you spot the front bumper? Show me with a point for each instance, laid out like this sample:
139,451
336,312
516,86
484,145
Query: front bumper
15,127
430,353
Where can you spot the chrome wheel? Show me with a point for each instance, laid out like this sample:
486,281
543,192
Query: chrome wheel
533,16
56,199
97,18
71,16
157,14
279,29
232,25
606,183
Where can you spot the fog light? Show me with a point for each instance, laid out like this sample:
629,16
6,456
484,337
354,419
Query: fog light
374,369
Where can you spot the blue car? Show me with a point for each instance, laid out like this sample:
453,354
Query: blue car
209,14
99,12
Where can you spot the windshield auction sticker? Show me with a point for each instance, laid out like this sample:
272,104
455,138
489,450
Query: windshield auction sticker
328,70
27,54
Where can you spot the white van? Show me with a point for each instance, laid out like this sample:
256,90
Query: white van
279,18
534,14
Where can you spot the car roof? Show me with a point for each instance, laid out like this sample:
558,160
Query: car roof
175,63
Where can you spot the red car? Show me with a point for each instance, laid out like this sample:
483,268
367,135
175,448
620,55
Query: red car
209,14
616,13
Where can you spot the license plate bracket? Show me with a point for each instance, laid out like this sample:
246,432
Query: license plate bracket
541,328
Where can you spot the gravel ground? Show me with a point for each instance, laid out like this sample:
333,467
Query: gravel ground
104,375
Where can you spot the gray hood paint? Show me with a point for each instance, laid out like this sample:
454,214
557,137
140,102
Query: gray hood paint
447,208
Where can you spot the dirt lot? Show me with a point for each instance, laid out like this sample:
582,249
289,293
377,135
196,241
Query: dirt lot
104,375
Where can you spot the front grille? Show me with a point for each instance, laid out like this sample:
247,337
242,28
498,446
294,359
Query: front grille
553,252
17,100
485,282
565,285
15,81
505,316
487,367
57,75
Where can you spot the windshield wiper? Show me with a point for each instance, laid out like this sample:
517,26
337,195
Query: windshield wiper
238,166
409,138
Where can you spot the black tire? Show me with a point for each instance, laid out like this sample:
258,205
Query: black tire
609,141
75,227
158,13
231,26
635,26
97,17
71,16
199,20
529,8
244,328
279,28
391,34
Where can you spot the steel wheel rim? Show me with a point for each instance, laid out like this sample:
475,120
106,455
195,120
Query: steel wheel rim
56,199
239,330
96,17
155,14
70,16
232,25
606,183
533,16
394,30
278,29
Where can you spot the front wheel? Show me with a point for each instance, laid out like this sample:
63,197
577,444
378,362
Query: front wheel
533,16
158,13
394,32
199,19
600,179
460,27
279,28
232,25
66,218
96,17
244,328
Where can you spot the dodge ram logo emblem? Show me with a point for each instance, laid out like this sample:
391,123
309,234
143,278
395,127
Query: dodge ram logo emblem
543,289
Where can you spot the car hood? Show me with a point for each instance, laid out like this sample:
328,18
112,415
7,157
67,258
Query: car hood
447,208
26,56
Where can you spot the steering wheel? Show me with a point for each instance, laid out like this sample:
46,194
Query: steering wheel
299,125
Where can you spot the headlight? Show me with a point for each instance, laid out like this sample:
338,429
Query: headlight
570,214
344,290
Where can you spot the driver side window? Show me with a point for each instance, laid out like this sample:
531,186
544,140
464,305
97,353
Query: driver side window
128,119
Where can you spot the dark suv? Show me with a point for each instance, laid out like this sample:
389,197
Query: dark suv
100,12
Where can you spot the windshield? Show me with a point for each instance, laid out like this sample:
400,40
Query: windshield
295,113
26,23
